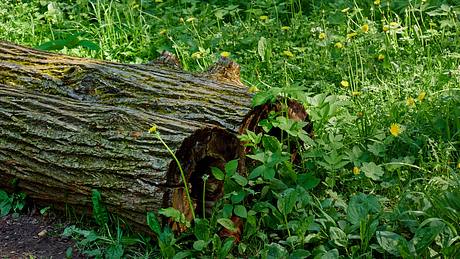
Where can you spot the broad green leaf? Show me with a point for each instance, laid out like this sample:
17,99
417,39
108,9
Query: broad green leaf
425,235
269,173
231,167
271,143
276,251
286,201
391,242
199,245
360,206
299,253
307,181
99,211
373,171
183,254
227,210
238,197
241,180
201,229
240,211
338,236
217,173
115,251
153,222
3,195
257,172
226,247
227,223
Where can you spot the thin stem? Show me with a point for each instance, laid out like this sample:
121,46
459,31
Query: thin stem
181,173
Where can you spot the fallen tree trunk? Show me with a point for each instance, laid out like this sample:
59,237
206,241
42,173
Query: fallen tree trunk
68,125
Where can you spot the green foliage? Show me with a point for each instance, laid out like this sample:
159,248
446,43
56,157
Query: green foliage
14,202
379,79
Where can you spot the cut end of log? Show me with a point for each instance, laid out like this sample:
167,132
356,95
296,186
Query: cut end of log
206,148
225,70
168,59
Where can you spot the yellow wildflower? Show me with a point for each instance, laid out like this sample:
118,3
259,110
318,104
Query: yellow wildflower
197,55
386,28
381,57
351,35
191,19
285,28
395,129
421,96
344,83
338,45
288,54
356,170
458,165
322,36
163,31
153,129
360,114
410,102
225,54
263,18
377,2
355,93
365,28
253,89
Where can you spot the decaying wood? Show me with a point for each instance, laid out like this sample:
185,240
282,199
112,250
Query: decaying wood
69,125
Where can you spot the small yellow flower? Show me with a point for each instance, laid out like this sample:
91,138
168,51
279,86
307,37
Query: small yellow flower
365,28
351,35
322,36
421,96
458,165
285,28
225,54
356,170
163,31
344,83
410,102
153,129
338,45
253,89
381,57
355,93
377,2
345,10
288,54
263,18
197,55
395,129
360,114
386,28
191,19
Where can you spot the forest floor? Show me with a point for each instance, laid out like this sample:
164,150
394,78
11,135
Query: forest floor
33,236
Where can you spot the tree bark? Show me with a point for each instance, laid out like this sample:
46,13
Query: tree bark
69,125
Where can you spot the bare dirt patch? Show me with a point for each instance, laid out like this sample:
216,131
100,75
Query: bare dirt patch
33,236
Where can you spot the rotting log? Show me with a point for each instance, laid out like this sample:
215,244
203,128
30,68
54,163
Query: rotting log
69,125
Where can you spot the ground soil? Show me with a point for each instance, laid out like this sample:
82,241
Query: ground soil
33,236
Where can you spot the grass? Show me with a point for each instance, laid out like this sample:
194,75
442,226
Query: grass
380,81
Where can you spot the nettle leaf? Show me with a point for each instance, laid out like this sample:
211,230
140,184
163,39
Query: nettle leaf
201,229
241,180
217,173
115,251
175,215
425,235
199,245
307,181
268,173
227,223
392,242
271,143
153,222
373,171
338,236
257,172
360,206
241,211
231,166
286,201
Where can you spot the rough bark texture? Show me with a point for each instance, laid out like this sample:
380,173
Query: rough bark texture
68,125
